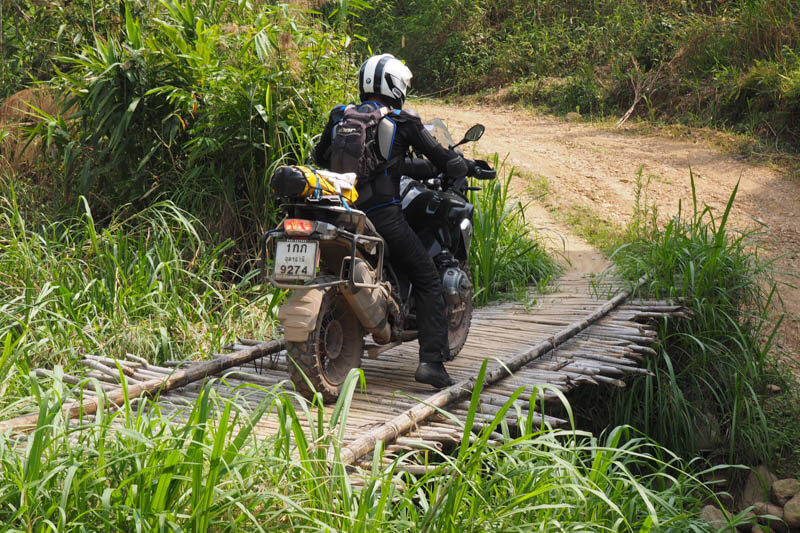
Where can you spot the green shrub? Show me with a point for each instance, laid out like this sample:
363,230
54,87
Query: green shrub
563,95
711,371
587,55
505,255
147,471
196,102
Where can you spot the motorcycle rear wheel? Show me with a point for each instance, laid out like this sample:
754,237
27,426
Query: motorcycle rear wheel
332,349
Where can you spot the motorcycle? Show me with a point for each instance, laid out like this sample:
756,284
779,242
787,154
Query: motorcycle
344,285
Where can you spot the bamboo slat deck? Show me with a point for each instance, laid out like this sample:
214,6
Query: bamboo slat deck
602,354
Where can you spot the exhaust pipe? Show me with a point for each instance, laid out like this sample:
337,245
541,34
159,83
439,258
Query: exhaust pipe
369,305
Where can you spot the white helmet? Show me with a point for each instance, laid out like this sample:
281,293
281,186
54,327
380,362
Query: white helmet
384,75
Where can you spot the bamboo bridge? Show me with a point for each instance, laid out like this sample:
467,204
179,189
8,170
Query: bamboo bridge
581,333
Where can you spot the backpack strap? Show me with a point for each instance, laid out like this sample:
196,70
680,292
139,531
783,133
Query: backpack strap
386,164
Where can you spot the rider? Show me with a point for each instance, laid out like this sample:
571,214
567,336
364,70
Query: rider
383,81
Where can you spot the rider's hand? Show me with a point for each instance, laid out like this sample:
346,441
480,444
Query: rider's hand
470,166
480,169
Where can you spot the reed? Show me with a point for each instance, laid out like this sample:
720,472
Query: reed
138,469
506,254
709,377
146,283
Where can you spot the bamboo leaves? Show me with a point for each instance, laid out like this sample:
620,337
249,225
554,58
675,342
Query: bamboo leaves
196,100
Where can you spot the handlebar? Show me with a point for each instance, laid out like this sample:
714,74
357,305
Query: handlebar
425,172
482,174
482,171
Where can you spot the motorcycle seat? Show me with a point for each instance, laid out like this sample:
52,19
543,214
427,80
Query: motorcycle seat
369,228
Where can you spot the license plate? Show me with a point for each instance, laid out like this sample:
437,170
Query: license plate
295,260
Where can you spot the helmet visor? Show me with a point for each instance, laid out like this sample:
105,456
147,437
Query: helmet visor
403,83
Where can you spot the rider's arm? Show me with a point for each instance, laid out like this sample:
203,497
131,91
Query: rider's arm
417,168
448,161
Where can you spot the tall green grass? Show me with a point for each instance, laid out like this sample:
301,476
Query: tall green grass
506,255
710,372
144,470
143,282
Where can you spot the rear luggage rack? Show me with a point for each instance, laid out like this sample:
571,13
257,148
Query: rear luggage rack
332,232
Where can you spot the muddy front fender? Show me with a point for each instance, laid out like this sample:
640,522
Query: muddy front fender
298,316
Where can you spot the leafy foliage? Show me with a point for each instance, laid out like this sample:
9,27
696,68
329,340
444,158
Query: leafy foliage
505,255
148,470
33,34
731,64
711,371
196,102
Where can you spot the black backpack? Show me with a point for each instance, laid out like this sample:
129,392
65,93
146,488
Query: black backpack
355,142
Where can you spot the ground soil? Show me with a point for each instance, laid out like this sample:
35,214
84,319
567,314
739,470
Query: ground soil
17,112
596,167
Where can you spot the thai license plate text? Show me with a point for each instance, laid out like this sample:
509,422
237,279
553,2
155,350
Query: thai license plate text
295,260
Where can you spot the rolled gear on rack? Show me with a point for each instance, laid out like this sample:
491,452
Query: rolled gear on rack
303,182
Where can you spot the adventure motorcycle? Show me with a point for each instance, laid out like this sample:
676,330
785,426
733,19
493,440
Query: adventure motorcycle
343,280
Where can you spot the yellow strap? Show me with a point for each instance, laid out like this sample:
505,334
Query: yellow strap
324,186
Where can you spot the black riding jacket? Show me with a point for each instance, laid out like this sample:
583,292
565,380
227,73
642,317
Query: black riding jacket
409,132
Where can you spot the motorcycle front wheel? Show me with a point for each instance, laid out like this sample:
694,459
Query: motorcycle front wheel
332,349
458,322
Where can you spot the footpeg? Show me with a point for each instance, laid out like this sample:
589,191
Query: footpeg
374,350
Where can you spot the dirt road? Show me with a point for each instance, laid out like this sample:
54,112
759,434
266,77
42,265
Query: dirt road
591,166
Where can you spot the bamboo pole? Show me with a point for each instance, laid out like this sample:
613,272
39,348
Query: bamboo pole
113,373
178,379
112,362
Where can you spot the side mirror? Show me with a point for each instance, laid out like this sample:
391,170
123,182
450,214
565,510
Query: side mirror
473,134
